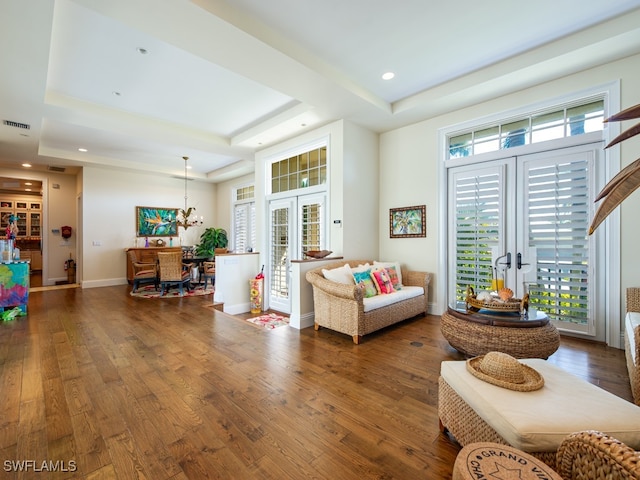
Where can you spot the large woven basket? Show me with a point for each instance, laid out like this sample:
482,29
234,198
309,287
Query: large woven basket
511,305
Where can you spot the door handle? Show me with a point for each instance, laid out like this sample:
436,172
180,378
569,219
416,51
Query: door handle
519,261
507,263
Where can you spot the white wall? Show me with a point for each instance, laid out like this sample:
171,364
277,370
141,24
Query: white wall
359,207
409,169
110,198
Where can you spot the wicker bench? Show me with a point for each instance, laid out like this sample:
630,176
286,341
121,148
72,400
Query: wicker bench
535,422
340,307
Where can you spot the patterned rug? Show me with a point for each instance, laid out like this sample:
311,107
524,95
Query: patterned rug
149,291
270,320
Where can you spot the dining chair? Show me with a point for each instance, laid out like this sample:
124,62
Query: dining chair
172,272
209,273
142,272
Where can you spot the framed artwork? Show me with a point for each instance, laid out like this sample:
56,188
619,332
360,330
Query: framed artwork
156,222
408,222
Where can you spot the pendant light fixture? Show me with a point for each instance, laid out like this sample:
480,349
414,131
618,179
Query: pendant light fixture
184,218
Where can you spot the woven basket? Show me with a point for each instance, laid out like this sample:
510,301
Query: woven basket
511,305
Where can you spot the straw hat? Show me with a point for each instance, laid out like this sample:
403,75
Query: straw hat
505,371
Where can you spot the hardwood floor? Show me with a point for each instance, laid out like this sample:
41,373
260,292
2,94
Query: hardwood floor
115,387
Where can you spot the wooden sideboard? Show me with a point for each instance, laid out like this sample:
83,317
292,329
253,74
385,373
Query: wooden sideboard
145,255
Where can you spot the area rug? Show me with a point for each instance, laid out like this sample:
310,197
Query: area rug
269,320
149,291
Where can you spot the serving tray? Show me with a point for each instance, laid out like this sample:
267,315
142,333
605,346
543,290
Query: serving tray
496,304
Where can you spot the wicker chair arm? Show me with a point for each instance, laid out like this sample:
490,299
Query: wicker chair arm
583,453
633,299
341,290
417,279
139,266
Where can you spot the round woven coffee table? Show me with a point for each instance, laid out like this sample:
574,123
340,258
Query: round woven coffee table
477,333
492,460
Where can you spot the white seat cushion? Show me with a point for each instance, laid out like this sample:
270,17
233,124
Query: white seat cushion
378,301
538,421
631,322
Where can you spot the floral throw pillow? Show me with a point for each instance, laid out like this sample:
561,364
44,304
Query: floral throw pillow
382,281
364,280
394,277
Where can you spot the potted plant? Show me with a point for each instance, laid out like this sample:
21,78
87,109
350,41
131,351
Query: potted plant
211,239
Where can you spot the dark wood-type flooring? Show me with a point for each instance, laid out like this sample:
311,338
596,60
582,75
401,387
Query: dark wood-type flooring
116,387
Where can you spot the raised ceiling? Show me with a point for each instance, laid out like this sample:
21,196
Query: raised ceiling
141,83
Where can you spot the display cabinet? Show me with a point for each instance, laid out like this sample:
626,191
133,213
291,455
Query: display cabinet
34,224
28,211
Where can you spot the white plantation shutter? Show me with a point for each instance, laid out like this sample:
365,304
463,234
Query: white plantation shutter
557,205
478,210
244,215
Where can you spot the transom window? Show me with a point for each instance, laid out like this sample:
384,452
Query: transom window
307,169
567,121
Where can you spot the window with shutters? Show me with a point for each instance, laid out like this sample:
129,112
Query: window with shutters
244,220
478,226
531,212
558,204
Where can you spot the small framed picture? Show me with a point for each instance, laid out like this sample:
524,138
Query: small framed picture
408,222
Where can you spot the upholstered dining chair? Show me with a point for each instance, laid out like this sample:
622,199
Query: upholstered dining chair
172,271
142,272
209,273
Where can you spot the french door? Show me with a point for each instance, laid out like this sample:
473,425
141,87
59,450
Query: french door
525,220
296,224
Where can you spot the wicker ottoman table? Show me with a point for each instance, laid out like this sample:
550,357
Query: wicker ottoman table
535,422
492,460
478,333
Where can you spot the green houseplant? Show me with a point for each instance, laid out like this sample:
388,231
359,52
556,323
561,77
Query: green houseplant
211,239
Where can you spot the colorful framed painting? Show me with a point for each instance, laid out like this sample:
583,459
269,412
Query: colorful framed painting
156,222
408,222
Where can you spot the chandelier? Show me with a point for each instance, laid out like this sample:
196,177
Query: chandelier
185,219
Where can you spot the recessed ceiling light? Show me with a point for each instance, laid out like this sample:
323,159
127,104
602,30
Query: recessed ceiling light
115,93
26,165
82,150
28,183
388,75
27,189
142,51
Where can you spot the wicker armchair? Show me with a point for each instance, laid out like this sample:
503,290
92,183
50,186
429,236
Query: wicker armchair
172,272
209,273
633,347
592,455
142,272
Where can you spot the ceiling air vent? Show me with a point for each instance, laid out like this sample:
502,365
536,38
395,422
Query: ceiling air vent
11,123
56,169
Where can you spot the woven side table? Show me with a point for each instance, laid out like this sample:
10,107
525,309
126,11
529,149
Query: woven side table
477,333
492,460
